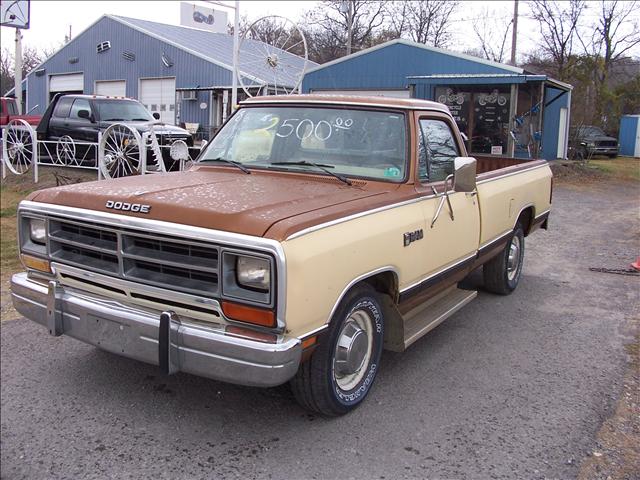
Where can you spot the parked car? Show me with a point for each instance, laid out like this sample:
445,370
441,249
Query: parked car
9,111
81,117
312,233
587,141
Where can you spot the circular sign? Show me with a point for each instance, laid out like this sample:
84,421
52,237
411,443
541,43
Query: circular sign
203,105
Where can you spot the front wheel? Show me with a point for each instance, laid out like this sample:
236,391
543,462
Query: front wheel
340,373
502,273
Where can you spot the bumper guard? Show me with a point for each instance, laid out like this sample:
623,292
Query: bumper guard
158,338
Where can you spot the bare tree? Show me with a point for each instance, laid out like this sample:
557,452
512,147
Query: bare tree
492,35
31,58
423,21
614,36
558,23
327,25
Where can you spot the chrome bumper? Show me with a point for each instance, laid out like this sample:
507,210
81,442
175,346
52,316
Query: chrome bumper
159,339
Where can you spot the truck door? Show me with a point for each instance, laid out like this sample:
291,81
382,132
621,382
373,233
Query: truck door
78,128
57,123
450,238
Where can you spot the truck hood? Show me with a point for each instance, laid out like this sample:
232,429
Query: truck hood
598,138
218,198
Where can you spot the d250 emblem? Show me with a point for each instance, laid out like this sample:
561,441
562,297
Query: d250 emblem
412,237
128,207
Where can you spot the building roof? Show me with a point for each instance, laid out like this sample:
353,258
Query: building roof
490,78
217,48
401,41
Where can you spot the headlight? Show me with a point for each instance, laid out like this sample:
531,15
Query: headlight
37,231
253,272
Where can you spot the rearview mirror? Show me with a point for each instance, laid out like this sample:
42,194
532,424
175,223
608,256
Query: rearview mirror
156,115
86,114
464,174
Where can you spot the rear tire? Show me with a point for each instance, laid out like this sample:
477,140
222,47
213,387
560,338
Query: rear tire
502,273
341,371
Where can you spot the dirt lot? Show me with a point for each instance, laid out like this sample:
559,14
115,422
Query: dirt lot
540,384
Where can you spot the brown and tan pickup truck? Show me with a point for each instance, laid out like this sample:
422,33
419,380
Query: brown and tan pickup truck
312,233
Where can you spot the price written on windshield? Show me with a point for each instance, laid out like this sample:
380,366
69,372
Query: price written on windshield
304,128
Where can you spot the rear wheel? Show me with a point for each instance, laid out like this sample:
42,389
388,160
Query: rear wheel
340,373
502,273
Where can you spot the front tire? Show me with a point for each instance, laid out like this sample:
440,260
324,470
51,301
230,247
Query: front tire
340,373
502,273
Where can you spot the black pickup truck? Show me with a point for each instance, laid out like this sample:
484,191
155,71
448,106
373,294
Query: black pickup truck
587,141
81,117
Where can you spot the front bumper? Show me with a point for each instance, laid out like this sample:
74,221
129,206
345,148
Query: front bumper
159,339
602,150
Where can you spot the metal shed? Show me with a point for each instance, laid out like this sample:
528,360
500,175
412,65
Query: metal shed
629,137
502,109
183,73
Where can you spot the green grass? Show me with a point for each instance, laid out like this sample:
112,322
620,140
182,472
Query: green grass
14,188
624,168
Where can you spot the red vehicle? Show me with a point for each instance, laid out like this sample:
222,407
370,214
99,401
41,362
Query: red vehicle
9,111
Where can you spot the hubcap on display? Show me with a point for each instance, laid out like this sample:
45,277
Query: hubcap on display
353,350
513,261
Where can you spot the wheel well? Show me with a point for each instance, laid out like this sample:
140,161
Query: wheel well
385,282
526,219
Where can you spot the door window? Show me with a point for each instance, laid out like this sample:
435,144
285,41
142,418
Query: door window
63,107
437,150
79,104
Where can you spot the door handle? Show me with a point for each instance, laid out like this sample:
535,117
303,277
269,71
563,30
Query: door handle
472,194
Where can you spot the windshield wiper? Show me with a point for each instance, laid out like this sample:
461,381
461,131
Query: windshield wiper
114,119
320,166
230,162
140,120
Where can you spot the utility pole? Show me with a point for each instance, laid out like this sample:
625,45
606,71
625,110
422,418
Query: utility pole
18,71
515,32
236,46
350,29
346,6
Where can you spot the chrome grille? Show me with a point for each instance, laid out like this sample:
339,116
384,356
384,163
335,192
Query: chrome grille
166,262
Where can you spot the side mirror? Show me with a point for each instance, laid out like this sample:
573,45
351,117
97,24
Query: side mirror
86,114
156,115
464,176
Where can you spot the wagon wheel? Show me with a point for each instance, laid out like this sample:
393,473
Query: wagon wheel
119,151
21,146
267,55
66,151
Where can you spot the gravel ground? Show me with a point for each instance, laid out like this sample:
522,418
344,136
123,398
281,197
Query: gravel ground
510,387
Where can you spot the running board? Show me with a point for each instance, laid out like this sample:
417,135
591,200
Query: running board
427,316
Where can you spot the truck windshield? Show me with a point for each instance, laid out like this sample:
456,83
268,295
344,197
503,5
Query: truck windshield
357,143
122,110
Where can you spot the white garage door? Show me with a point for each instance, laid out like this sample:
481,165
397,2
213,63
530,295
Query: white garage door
401,93
70,82
112,88
159,95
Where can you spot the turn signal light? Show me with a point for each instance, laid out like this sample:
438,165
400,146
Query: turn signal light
35,263
244,313
252,334
309,342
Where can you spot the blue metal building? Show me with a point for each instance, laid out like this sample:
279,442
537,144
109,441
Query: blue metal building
184,74
489,100
629,137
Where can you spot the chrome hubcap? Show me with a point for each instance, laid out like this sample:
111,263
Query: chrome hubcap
514,258
353,350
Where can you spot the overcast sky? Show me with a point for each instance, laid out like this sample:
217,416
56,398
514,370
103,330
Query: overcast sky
50,20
